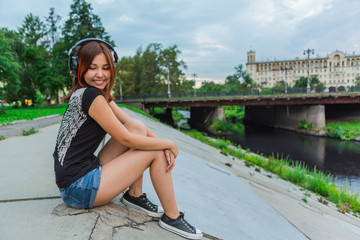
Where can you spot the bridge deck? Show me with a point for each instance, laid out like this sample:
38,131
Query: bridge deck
301,99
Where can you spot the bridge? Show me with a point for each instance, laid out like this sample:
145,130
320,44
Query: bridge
282,111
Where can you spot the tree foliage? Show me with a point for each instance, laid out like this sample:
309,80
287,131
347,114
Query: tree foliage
148,71
357,81
239,80
9,66
314,82
83,23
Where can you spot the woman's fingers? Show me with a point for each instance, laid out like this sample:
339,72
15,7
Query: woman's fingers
170,157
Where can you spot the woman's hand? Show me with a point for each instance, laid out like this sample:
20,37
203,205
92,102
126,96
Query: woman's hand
170,159
173,148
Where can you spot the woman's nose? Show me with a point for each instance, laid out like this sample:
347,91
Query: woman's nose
99,72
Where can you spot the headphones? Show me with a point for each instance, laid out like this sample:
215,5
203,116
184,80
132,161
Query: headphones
73,61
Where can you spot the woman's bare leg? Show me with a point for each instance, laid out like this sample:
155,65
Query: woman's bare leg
123,171
113,149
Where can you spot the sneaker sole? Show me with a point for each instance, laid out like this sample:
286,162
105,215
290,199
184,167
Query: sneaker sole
142,210
180,232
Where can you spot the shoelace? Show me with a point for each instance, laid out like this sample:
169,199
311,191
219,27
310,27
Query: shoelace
147,202
188,225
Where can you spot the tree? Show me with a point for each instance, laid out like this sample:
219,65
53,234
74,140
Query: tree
35,62
33,30
279,85
9,68
147,71
151,81
82,23
314,82
211,87
169,60
127,75
357,81
52,27
239,80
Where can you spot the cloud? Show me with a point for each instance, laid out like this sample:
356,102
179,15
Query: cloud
102,1
304,9
206,37
125,19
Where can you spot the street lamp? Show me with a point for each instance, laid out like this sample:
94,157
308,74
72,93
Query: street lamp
308,51
168,80
120,89
194,76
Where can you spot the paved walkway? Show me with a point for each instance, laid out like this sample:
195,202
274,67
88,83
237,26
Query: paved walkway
226,203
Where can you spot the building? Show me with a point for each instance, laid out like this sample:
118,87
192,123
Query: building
336,70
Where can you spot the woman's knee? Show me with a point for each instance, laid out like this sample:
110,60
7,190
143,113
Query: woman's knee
136,126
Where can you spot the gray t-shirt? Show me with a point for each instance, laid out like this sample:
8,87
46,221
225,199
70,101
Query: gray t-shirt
78,138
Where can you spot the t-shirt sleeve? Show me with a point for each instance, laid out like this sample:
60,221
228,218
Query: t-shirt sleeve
89,95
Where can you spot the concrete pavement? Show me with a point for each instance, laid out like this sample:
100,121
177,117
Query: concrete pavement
225,203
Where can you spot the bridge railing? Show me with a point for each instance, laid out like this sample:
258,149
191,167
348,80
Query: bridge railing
253,92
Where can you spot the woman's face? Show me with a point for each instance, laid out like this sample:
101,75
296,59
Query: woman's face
98,75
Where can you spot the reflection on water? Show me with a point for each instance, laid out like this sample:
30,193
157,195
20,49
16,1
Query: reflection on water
339,158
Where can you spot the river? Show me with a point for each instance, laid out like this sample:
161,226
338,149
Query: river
339,158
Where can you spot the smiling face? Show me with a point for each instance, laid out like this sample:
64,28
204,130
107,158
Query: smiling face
99,74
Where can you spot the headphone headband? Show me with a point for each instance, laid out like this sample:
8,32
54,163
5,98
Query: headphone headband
73,61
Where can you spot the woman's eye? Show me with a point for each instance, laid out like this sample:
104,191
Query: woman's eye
92,68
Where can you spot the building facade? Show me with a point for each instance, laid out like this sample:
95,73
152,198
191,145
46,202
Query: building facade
336,70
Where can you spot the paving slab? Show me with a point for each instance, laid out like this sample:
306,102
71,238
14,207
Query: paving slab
27,165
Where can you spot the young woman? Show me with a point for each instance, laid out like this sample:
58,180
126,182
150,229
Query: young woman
86,180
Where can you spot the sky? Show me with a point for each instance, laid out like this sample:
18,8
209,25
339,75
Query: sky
215,36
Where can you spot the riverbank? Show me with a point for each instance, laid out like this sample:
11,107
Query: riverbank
295,172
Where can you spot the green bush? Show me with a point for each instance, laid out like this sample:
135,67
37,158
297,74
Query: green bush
344,130
302,124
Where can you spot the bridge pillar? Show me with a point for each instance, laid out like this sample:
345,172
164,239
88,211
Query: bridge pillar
201,116
286,117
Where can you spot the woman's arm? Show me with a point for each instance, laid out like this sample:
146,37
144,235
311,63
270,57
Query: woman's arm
123,117
104,115
120,114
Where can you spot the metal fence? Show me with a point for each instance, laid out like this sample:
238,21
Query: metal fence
252,92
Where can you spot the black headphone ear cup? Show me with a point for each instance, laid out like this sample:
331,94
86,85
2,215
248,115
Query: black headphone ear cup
74,64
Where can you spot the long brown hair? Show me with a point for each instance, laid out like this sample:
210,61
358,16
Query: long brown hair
86,54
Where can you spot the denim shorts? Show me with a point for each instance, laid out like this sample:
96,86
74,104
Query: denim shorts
82,192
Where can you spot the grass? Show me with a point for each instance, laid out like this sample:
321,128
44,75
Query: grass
138,111
10,114
344,130
296,172
29,132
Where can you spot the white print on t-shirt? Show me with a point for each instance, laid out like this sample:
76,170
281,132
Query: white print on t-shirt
73,119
